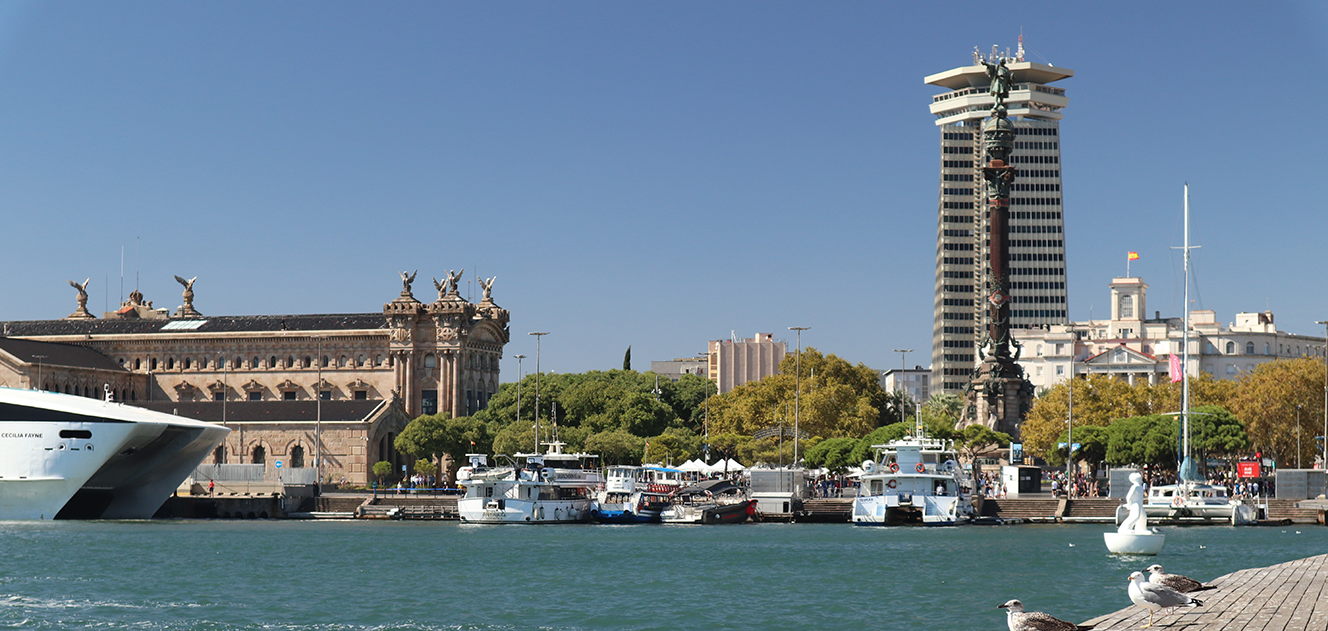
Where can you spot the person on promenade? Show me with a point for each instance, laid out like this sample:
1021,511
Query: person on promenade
212,486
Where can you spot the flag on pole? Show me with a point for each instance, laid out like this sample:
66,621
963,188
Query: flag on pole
1175,371
1133,256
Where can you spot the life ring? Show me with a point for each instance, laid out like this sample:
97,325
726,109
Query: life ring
894,467
1178,501
921,468
892,483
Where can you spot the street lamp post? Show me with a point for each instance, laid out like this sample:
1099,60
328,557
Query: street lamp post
519,375
39,367
1297,435
1325,396
318,420
225,387
1069,436
538,335
797,390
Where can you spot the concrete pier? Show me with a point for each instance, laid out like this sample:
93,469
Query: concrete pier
1290,596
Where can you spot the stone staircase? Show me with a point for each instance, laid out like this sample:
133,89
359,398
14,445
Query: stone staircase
1094,507
1021,509
408,507
1286,509
834,509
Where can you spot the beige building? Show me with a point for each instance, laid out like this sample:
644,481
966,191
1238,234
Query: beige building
270,378
915,381
1132,346
735,362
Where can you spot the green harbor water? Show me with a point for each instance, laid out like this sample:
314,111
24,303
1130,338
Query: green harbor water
393,575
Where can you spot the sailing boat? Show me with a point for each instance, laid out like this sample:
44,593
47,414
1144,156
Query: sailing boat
1192,498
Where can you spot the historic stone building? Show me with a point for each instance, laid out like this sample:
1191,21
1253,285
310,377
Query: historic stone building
272,378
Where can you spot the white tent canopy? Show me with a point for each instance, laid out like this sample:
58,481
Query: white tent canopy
693,466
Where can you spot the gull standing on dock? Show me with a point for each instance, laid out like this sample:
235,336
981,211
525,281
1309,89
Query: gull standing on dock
1177,582
1153,597
1020,620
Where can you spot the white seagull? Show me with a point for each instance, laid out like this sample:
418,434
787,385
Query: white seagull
1020,620
1154,597
1177,582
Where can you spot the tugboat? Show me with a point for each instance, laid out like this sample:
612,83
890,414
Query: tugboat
915,480
547,488
710,502
635,495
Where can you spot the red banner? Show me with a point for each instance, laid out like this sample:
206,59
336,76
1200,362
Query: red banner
1247,469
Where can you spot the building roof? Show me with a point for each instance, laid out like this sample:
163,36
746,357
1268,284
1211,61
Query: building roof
212,324
974,76
251,411
55,354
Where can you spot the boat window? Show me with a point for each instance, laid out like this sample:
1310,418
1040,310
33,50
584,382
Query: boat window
75,433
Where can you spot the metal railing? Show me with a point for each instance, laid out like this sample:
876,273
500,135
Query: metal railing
253,473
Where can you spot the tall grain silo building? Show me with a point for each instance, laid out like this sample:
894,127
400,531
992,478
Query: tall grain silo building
1037,236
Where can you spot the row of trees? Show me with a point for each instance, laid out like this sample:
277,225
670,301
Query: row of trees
1276,409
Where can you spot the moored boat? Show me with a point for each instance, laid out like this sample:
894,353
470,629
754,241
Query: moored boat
709,502
71,457
547,488
915,480
634,494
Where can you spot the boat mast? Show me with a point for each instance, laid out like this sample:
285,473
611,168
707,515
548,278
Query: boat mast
1185,353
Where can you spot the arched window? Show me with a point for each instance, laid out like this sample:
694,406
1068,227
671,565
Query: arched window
308,361
1231,348
202,362
259,455
221,362
170,363
219,455
297,457
1039,350
290,361
378,360
341,362
430,361
1267,348
325,361
152,364
186,363
254,363
138,363
359,361
272,362
239,363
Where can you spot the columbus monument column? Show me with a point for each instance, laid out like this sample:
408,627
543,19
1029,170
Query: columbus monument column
998,395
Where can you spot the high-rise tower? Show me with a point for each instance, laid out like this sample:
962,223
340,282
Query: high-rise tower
1036,229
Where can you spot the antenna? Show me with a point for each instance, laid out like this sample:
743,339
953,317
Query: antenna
1019,56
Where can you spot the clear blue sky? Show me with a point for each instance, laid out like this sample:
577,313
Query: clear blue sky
652,174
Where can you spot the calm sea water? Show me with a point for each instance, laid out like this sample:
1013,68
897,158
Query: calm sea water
393,575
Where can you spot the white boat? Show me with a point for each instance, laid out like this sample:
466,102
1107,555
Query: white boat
1191,498
547,488
915,480
709,502
635,494
71,457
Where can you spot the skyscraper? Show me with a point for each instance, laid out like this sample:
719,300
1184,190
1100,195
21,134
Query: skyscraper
1037,235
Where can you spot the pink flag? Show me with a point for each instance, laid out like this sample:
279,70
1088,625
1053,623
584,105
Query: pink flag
1176,374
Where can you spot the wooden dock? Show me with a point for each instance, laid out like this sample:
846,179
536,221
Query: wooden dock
1290,596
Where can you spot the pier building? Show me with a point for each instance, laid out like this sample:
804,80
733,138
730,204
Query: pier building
274,379
1036,213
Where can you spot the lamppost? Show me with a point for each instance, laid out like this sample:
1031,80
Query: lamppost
538,335
39,366
225,388
1069,436
903,365
1297,435
797,390
1325,396
519,375
705,401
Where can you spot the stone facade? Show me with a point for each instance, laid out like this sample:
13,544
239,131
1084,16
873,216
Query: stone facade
416,358
733,363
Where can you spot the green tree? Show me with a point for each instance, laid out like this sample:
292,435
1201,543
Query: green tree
674,445
382,469
627,358
976,439
879,436
1141,440
616,447
1267,399
424,466
834,454
730,445
434,436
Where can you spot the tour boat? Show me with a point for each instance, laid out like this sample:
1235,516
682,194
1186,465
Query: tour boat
634,495
72,457
709,502
915,480
547,488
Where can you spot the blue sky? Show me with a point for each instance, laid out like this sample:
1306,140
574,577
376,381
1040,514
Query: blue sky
652,174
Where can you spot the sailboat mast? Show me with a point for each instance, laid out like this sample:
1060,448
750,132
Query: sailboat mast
1185,337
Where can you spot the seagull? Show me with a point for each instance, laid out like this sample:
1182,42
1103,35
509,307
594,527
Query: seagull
1154,597
1020,620
1177,582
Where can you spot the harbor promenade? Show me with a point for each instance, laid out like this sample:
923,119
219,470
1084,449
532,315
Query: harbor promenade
1290,596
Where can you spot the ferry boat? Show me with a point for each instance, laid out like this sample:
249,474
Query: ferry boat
71,457
709,502
635,495
547,488
916,480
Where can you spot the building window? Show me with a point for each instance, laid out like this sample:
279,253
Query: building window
325,361
256,396
1060,370
272,362
138,363
1209,348
290,361
378,360
1039,349
202,362
186,363
1267,348
361,395
341,362
259,455
221,363
1127,306
359,360
152,364
1231,369
429,402
288,395
1060,349
1249,348
308,361
325,395
219,455
170,363
430,361
297,457
1231,348
254,364
218,396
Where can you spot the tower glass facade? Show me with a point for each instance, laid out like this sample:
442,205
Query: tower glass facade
1036,230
